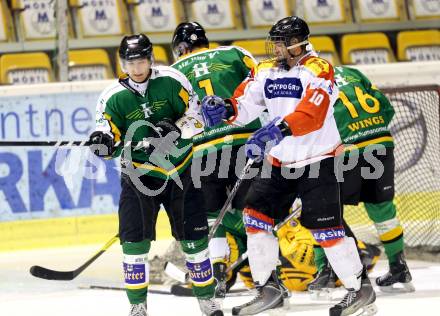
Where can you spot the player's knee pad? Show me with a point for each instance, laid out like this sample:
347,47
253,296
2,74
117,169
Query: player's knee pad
198,261
328,237
263,253
135,263
345,261
262,244
256,222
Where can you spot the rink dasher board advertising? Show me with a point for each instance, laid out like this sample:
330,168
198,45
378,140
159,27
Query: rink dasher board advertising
45,182
41,182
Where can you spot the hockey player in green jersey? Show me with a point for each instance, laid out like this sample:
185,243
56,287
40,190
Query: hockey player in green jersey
145,107
216,71
363,115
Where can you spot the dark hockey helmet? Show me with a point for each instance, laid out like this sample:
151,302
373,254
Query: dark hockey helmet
284,31
135,46
288,28
188,35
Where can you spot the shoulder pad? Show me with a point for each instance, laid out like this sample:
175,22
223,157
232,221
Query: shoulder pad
317,65
265,64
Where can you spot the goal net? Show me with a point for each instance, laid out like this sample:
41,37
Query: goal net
416,131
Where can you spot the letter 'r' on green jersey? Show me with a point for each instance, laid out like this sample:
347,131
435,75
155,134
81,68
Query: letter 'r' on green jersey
362,112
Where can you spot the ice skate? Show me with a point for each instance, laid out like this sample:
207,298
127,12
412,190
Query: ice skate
269,296
360,302
397,279
138,309
219,269
210,307
323,285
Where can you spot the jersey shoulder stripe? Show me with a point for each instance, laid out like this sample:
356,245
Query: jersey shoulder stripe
107,93
200,52
167,71
242,51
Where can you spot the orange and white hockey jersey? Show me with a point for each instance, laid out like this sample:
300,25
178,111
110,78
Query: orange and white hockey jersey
303,96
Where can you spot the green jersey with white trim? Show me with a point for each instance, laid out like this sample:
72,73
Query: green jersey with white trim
362,112
129,111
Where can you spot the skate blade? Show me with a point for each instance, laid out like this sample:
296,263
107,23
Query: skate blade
322,295
278,310
398,288
272,310
367,310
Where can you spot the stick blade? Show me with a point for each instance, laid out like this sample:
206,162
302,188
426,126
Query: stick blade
175,273
180,290
48,274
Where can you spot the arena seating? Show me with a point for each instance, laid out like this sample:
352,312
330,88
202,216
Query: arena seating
263,14
149,17
324,12
216,15
325,46
24,22
89,64
256,47
6,32
418,45
379,11
366,48
100,18
25,68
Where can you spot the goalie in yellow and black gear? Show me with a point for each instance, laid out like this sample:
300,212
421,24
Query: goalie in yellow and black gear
297,268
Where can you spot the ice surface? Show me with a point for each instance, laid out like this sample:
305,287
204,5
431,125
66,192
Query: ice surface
23,295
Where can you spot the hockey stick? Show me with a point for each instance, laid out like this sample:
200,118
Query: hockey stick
176,290
177,274
49,274
172,270
67,143
118,288
45,143
231,195
181,290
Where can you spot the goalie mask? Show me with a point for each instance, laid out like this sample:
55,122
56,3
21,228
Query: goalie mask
281,35
187,36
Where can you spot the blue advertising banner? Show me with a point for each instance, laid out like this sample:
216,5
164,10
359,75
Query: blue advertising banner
43,182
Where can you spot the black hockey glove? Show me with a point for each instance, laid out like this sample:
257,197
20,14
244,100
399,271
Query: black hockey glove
101,144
